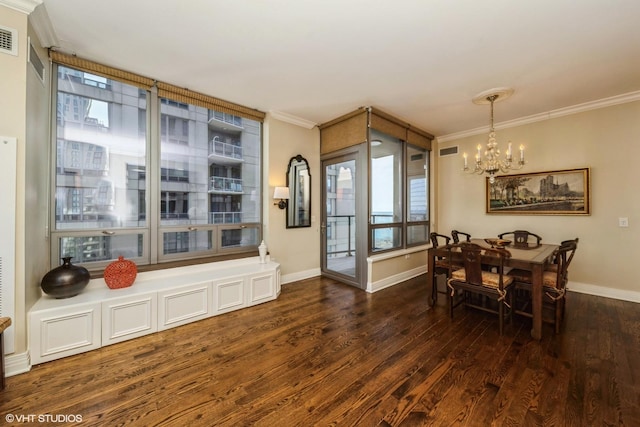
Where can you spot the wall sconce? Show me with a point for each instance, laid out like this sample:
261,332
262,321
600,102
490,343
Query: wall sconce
281,193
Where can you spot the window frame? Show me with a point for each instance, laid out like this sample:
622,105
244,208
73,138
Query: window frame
405,223
151,233
427,221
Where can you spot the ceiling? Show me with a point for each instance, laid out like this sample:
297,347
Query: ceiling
420,60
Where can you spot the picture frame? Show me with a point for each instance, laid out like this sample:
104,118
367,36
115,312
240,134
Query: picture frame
559,192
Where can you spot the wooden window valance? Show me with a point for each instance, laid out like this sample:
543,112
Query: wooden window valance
352,129
165,90
343,132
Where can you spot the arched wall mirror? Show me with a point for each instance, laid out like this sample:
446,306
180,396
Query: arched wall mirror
299,183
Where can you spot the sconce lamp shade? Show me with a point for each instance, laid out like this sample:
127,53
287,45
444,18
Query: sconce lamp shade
281,193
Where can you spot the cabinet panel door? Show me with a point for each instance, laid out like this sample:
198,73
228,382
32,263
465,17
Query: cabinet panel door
261,288
129,317
60,333
183,305
229,295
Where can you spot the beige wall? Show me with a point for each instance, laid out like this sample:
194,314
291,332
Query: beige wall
296,249
12,123
397,266
605,140
36,188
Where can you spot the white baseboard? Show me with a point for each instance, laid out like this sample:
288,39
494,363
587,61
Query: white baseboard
299,275
395,279
15,364
585,288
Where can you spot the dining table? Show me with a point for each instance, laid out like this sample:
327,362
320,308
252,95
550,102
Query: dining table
532,257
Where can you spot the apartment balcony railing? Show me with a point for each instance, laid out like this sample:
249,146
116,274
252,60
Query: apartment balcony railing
85,81
343,243
220,148
226,118
227,185
225,217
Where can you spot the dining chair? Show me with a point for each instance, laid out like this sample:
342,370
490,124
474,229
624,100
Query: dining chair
440,262
481,289
554,279
455,234
521,237
554,264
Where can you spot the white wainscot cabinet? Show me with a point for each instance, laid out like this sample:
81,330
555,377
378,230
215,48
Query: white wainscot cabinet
158,300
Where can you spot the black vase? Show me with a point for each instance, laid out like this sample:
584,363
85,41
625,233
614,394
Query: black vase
65,281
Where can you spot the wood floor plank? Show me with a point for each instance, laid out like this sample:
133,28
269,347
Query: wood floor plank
627,366
429,364
325,353
578,333
477,388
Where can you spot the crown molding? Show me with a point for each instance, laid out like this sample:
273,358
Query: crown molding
43,27
24,6
566,111
294,120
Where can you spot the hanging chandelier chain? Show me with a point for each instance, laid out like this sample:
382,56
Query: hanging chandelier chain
491,99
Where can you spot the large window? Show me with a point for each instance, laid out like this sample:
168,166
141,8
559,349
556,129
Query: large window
386,191
417,161
399,193
148,177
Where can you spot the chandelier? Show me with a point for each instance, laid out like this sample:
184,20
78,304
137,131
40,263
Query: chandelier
492,163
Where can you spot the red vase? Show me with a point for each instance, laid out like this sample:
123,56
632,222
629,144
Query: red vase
120,274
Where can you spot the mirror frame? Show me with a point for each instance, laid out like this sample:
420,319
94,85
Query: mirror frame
297,164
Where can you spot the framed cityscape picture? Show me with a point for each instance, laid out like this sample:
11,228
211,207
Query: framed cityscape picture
561,192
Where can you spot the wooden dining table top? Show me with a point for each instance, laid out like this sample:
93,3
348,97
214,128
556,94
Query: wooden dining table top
531,253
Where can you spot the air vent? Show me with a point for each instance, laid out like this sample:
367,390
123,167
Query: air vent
34,59
8,40
449,151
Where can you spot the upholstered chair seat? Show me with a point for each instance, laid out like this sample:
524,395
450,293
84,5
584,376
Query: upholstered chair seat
489,279
549,276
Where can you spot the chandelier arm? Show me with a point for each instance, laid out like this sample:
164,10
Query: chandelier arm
505,168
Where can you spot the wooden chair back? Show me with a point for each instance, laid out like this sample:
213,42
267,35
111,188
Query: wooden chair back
564,255
472,259
521,237
455,234
439,239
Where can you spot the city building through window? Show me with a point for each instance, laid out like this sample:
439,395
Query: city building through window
182,182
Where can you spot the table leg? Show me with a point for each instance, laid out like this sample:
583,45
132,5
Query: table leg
2,380
536,301
431,265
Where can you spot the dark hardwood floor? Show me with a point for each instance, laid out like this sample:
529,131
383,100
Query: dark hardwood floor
328,354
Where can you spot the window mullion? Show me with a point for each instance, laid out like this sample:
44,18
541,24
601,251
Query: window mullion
153,174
